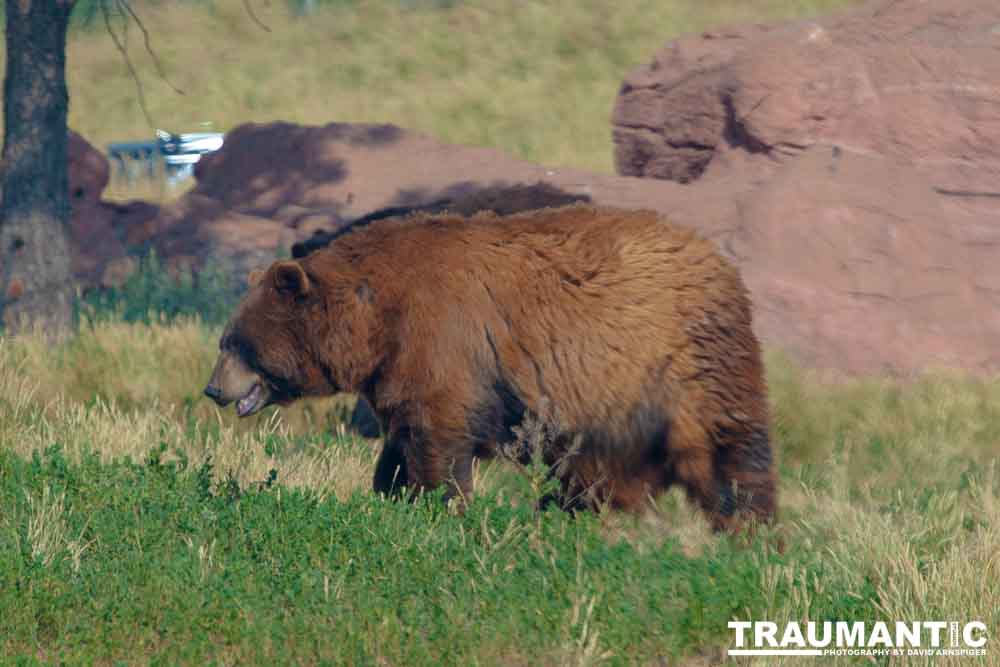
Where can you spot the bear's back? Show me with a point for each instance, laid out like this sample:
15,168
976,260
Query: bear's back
583,303
578,239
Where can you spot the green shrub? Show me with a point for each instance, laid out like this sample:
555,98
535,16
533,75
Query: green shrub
152,294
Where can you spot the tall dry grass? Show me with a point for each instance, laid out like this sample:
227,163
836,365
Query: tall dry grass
123,390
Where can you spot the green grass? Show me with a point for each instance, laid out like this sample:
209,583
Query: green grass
158,559
141,524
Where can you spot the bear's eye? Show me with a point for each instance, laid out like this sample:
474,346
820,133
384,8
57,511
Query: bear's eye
242,348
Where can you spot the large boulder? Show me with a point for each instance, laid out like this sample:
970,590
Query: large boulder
855,265
264,168
858,158
905,79
290,172
198,231
278,185
88,170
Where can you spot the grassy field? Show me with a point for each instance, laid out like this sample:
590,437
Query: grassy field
141,524
534,78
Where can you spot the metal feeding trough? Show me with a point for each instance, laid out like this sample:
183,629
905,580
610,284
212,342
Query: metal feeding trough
172,155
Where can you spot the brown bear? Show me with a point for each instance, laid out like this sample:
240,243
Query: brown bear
463,199
633,335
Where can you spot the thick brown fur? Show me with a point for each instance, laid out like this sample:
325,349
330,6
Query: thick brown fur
634,335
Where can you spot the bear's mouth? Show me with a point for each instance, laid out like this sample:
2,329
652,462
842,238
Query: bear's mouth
253,401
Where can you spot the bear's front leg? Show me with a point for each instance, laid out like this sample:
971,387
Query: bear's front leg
390,470
410,459
431,463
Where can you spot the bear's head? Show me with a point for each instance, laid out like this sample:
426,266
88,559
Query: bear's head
266,353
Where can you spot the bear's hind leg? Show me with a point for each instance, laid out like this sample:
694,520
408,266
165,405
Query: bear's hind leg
695,471
745,469
695,467
571,497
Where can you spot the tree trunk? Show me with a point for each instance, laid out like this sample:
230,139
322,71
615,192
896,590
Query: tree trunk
35,274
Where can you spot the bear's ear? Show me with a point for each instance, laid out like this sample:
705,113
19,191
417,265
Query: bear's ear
365,293
291,278
254,277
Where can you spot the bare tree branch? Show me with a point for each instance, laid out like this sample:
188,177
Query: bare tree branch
106,14
121,43
249,10
149,47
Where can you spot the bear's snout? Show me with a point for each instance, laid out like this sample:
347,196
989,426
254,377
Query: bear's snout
214,393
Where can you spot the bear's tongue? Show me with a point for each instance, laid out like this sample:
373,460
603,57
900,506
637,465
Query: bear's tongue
246,405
